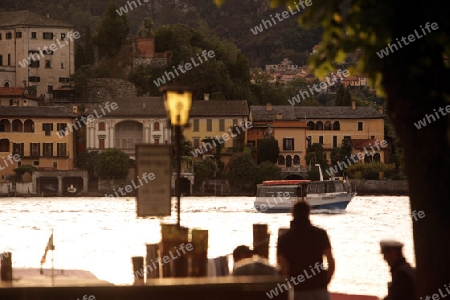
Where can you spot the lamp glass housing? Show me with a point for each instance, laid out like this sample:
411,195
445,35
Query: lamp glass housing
178,105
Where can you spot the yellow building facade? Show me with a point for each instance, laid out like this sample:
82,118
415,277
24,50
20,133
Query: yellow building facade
325,125
29,135
224,122
363,125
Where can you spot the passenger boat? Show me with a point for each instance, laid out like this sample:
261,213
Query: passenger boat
278,196
72,189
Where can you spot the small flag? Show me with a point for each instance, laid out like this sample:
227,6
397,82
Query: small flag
50,246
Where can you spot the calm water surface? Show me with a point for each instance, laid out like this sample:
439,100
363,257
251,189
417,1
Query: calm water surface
102,235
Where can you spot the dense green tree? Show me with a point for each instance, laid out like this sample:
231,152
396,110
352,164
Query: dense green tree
80,79
415,80
186,147
88,47
267,170
267,150
314,173
340,96
242,171
315,155
342,153
79,57
87,160
225,75
113,164
347,99
217,153
20,171
203,170
112,31
345,150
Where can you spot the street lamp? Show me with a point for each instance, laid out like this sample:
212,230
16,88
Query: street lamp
178,102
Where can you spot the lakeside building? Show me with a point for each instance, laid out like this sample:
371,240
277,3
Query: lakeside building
281,123
284,65
326,125
136,120
17,96
216,118
25,33
31,135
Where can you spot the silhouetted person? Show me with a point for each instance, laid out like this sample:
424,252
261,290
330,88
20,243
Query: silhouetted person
247,263
403,282
300,253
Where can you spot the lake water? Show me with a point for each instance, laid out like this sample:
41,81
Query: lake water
101,235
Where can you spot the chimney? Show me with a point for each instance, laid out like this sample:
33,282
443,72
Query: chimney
380,109
268,106
206,97
48,16
143,106
353,105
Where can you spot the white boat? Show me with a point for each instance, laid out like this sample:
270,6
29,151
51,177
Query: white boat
71,189
278,196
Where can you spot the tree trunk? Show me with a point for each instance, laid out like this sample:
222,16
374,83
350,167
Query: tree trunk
427,155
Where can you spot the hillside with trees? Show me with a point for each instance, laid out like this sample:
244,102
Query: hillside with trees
233,21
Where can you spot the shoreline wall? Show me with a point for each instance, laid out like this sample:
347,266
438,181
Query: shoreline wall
380,187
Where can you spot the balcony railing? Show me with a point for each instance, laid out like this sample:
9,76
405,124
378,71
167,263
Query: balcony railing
295,169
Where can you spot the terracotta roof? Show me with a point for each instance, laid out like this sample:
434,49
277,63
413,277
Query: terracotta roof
11,91
259,113
218,108
27,18
154,107
134,107
37,111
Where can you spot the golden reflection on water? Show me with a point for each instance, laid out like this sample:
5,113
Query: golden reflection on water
101,235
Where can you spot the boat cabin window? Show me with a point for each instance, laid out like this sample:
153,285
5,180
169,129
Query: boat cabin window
276,191
330,188
316,188
339,186
301,191
326,187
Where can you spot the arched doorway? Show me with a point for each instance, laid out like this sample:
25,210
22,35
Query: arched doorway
376,157
288,161
128,134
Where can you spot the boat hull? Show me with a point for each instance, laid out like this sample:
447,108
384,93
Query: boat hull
338,201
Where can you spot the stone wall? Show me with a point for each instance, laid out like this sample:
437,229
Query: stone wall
110,88
22,188
108,186
380,187
152,62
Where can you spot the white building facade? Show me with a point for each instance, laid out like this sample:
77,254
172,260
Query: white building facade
136,120
36,51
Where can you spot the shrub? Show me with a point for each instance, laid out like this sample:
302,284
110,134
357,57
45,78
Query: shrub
370,173
388,169
113,164
357,175
268,171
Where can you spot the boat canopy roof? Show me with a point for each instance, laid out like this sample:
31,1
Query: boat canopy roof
285,182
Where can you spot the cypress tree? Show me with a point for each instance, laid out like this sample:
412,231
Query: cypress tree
347,99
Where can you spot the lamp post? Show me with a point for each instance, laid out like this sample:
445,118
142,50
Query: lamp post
178,102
